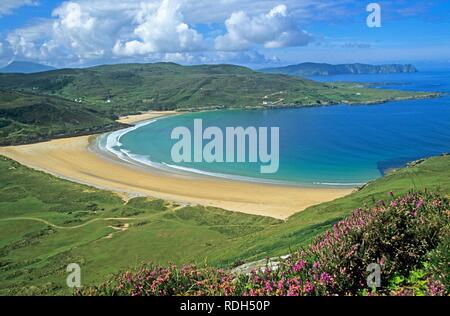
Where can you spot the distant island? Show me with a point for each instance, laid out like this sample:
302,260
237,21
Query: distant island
322,69
25,67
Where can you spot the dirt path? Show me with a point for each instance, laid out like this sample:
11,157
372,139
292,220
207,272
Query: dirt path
65,227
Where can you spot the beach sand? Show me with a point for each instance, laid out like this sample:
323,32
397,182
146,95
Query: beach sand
73,159
134,119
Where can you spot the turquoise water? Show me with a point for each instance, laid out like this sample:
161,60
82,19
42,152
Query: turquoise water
320,146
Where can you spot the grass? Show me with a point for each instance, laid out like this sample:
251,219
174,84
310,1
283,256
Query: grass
404,235
34,254
103,234
129,88
27,117
433,174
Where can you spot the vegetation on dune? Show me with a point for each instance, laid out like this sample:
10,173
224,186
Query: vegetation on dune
47,223
26,117
398,235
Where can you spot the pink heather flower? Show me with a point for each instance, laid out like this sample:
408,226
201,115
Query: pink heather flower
299,265
268,286
394,203
308,287
325,278
316,265
281,285
294,290
435,288
419,203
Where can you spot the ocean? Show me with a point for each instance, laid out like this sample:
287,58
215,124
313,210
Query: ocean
339,145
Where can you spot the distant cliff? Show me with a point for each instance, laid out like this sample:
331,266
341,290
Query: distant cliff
316,69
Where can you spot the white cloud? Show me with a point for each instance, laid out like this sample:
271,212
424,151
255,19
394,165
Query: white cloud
71,16
217,11
243,57
274,29
212,57
5,53
26,42
161,30
8,6
183,58
77,33
82,32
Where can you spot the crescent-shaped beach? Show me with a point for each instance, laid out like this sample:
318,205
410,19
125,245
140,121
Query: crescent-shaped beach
76,160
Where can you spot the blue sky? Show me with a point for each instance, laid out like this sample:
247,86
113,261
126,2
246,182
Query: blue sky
255,33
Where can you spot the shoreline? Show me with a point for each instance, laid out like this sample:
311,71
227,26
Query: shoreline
424,96
145,116
140,120
75,160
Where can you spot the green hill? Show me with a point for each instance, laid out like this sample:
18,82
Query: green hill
47,223
322,69
27,117
128,88
68,102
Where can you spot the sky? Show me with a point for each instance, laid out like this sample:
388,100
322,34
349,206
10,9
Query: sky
254,33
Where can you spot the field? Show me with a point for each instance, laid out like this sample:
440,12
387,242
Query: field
47,223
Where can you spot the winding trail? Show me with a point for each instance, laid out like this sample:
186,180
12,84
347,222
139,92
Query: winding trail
65,227
36,219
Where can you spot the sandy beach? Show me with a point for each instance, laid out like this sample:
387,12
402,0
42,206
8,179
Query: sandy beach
73,159
134,119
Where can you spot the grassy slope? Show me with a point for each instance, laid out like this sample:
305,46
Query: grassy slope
26,117
301,228
137,87
34,255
